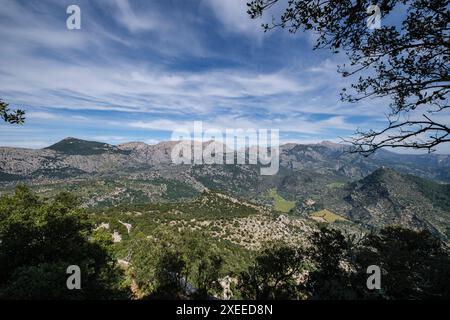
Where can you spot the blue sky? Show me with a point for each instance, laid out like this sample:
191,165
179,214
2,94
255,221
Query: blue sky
138,70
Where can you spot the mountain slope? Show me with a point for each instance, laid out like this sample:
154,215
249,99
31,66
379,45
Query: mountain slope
326,157
387,197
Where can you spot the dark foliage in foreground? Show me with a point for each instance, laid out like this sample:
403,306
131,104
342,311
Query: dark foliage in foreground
15,117
39,239
414,265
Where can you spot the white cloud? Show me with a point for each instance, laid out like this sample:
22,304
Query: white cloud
223,122
42,115
135,22
234,18
124,87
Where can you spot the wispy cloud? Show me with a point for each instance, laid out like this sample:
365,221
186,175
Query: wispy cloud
233,17
135,21
140,69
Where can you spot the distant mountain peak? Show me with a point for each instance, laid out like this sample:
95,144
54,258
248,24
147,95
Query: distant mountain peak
74,146
69,139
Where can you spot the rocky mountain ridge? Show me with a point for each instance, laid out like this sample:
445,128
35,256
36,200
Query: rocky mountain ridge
75,157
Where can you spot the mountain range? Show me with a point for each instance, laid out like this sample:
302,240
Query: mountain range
313,179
